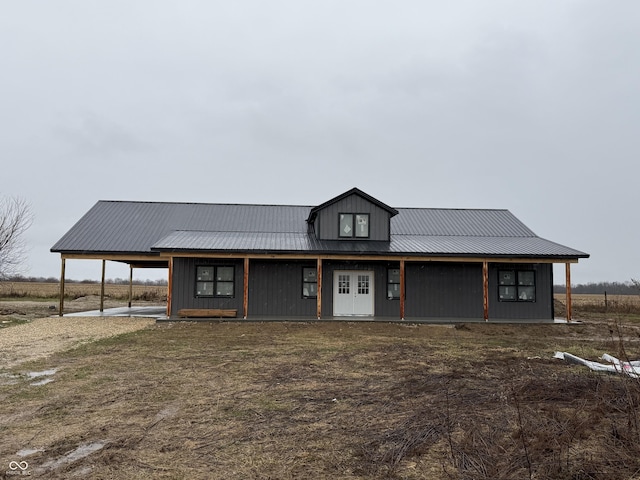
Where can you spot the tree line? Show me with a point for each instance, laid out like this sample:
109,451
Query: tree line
111,281
614,288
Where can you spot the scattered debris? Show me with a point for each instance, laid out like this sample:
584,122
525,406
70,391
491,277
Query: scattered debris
79,453
25,452
615,365
45,373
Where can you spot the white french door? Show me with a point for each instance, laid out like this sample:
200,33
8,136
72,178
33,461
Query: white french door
352,292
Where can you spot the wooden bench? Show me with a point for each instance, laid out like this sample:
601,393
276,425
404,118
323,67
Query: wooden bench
207,313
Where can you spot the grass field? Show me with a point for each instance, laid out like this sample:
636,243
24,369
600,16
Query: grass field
328,401
76,290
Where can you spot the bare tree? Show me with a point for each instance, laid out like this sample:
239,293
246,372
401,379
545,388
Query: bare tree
16,217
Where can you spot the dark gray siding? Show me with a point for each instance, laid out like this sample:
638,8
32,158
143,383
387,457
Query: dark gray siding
541,309
327,222
433,290
443,290
184,286
275,289
454,291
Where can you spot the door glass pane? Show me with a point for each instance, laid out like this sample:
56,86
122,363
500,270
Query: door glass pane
343,284
363,284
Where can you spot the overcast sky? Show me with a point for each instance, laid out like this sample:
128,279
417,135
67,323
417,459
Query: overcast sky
529,105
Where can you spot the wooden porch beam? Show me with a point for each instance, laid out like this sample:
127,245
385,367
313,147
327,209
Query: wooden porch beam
102,286
61,307
568,290
169,286
381,258
130,284
319,288
402,284
245,292
485,290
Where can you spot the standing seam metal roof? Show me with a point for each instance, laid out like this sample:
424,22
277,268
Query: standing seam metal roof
147,227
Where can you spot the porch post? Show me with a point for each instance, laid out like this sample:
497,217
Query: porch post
102,287
402,282
245,294
568,290
61,307
130,284
319,286
485,290
169,286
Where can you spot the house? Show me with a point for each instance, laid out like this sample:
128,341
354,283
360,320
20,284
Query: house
353,255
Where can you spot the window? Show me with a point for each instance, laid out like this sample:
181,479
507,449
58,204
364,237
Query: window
309,283
393,283
517,286
215,281
354,225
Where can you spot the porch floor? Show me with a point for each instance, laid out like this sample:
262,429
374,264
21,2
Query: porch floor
160,314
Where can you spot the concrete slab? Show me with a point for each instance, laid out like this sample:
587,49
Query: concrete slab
149,312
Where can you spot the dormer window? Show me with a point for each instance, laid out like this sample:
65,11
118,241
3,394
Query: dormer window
354,225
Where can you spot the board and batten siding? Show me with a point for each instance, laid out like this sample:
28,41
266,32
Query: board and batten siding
327,222
443,290
275,289
184,285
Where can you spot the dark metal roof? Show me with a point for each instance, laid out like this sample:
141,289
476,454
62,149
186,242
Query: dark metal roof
399,244
151,227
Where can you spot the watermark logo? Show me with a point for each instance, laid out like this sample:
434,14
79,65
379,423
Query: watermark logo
18,468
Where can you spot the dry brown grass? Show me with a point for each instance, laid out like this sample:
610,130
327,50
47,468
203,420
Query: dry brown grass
328,400
43,290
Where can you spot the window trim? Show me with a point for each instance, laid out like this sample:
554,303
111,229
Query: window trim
214,281
517,285
354,220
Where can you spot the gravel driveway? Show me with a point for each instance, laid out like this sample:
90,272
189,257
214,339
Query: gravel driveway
45,336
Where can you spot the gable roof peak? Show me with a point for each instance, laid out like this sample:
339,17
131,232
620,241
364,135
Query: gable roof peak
354,191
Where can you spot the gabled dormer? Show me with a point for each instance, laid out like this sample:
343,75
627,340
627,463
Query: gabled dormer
354,215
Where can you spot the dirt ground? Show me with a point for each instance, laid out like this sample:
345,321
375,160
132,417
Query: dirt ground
113,398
